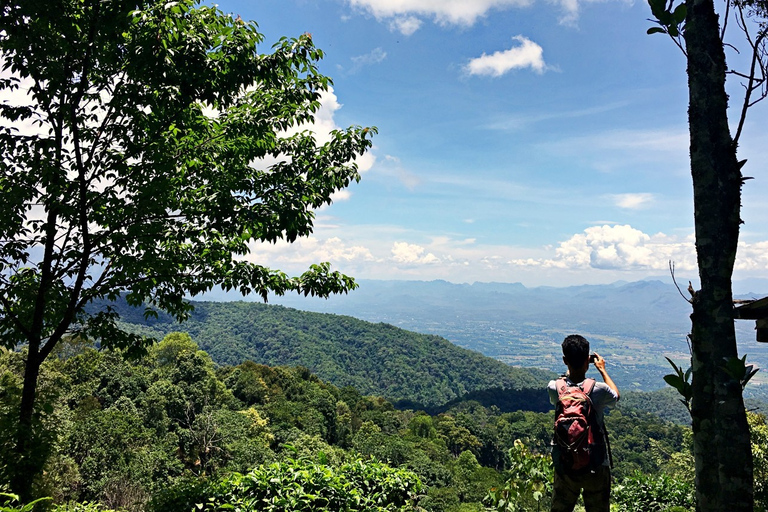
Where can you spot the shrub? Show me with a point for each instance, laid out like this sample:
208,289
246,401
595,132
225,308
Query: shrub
652,493
529,486
299,486
7,503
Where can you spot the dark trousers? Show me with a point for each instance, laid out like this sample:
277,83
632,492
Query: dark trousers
594,487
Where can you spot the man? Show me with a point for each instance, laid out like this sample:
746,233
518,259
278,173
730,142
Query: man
594,484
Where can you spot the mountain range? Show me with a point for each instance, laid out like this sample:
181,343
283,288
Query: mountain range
634,325
375,358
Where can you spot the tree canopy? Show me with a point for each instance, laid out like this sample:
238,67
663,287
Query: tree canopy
145,146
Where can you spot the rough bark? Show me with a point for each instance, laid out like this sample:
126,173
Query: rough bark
26,465
721,433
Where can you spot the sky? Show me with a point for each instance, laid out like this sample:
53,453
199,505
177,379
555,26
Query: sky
542,142
519,141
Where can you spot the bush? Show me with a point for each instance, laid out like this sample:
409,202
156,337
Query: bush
529,486
299,486
652,493
8,503
74,506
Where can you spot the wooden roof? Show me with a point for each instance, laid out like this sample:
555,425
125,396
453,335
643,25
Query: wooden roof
751,310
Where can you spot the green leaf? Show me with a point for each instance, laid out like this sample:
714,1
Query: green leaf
679,13
675,381
656,30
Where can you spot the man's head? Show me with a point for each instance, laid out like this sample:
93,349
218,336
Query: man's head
575,351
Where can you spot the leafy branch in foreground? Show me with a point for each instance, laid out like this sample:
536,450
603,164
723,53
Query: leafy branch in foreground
148,145
680,380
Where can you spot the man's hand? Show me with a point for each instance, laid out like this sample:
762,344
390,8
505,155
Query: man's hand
599,363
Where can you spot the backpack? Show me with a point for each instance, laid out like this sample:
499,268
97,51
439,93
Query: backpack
579,442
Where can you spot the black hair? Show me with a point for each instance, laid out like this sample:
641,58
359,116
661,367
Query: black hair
575,350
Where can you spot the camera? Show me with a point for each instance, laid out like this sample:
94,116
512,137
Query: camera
592,358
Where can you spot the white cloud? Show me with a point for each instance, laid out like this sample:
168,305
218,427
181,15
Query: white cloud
405,15
517,121
624,248
375,56
406,25
527,55
598,254
632,201
570,11
365,161
619,248
305,251
752,256
665,148
341,195
412,254
394,167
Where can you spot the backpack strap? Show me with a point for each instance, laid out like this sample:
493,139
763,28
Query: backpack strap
560,386
587,386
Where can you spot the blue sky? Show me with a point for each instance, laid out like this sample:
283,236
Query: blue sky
539,142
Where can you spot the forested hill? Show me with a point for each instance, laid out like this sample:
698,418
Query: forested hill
377,359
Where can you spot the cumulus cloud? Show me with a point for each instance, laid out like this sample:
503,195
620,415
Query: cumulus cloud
752,256
527,55
619,248
412,254
632,201
405,15
305,251
570,11
599,253
406,25
341,195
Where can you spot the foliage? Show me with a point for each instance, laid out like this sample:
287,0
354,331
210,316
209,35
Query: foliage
79,507
663,403
759,433
7,501
422,371
159,431
739,370
133,161
680,380
529,486
652,493
138,149
304,485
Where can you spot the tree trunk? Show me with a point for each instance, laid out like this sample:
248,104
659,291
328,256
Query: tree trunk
721,434
26,463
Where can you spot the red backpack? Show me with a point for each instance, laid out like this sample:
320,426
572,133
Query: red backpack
579,442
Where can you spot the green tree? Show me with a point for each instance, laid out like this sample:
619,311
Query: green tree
759,430
137,160
529,485
720,430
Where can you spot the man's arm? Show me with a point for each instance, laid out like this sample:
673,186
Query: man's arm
552,391
600,366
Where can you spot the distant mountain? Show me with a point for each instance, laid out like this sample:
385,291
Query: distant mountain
377,359
634,325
